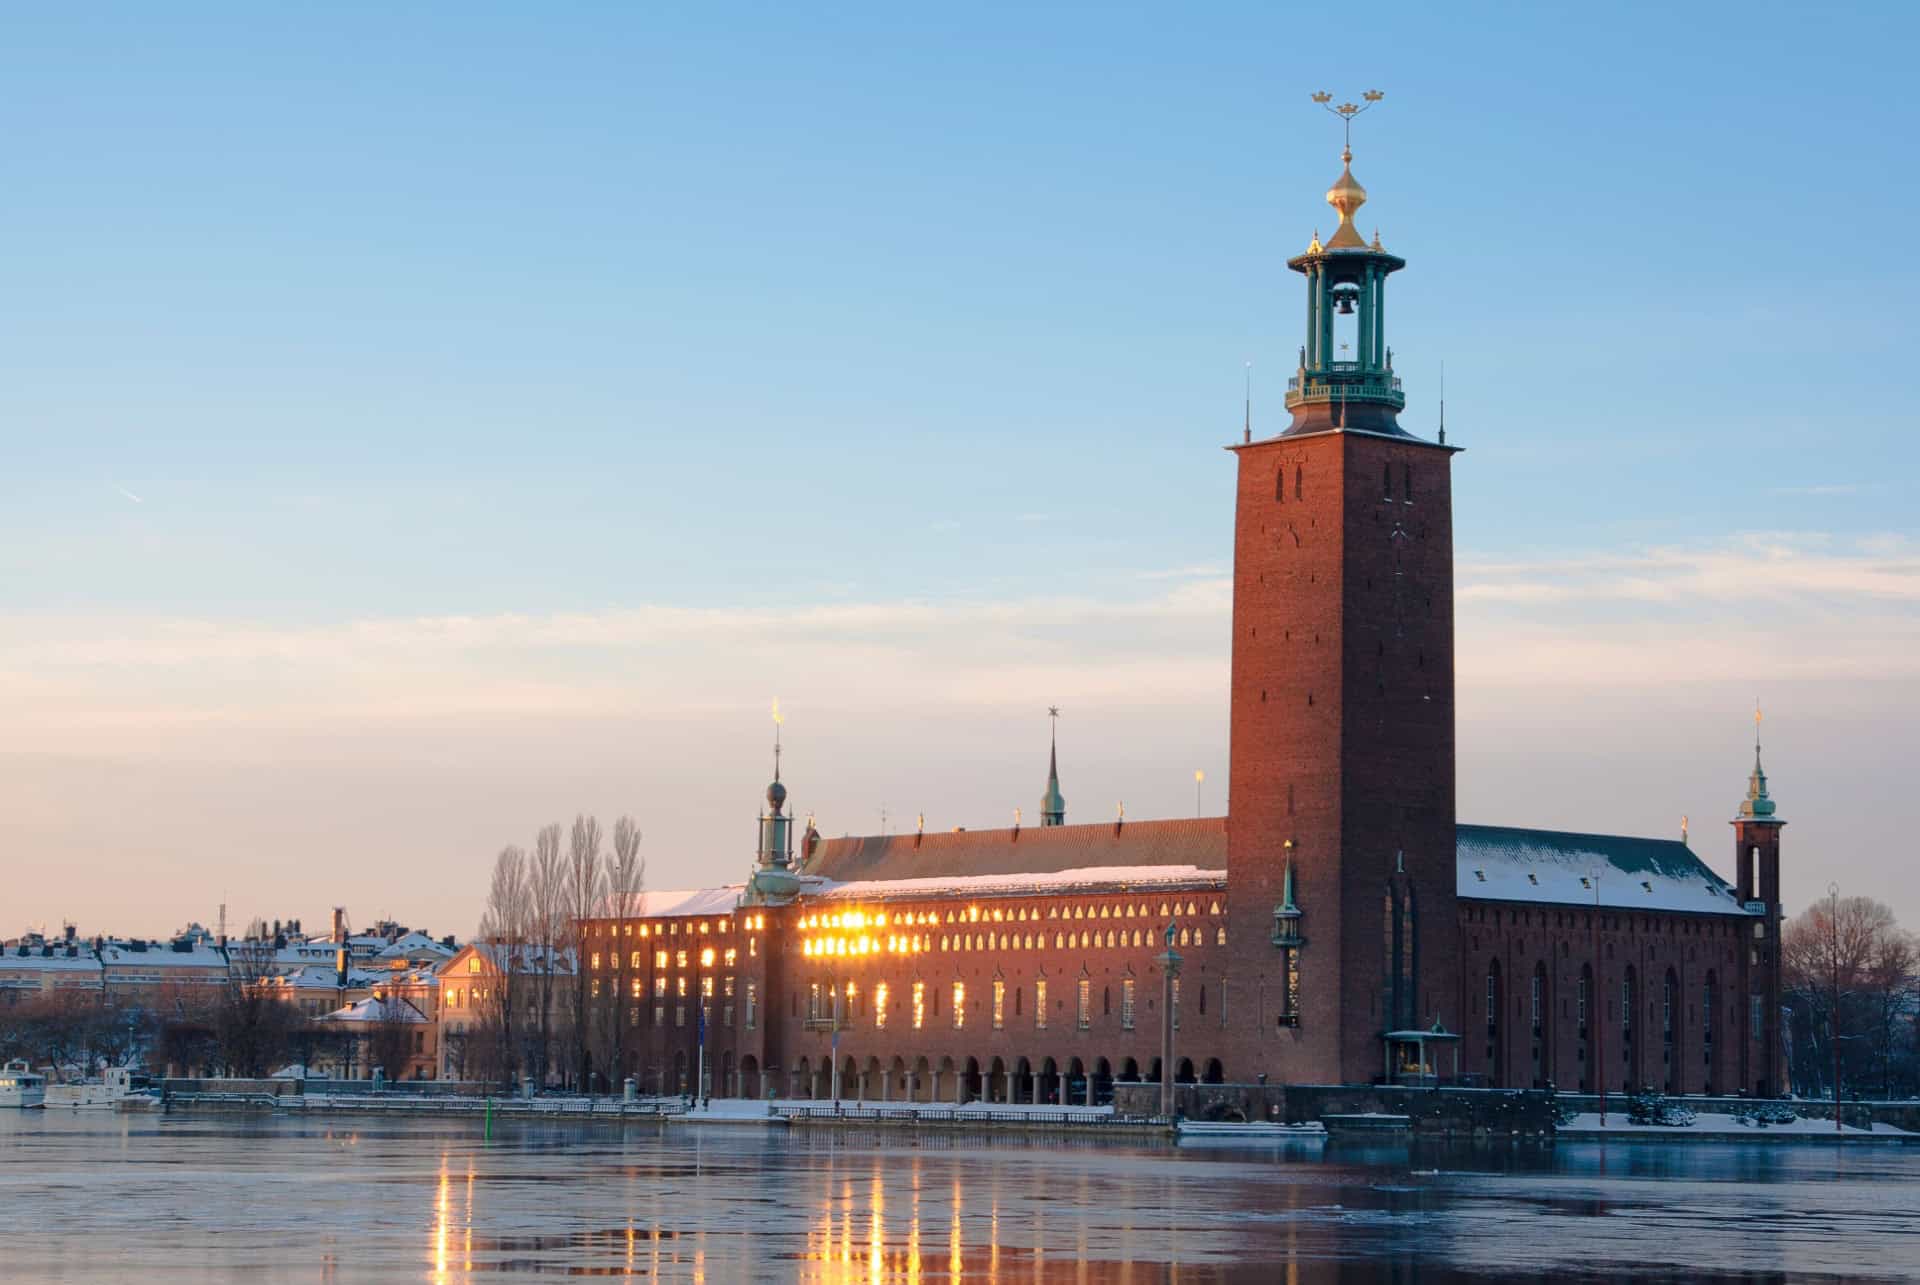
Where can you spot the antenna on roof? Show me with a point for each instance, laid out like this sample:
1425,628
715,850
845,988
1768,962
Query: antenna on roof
1247,431
1443,403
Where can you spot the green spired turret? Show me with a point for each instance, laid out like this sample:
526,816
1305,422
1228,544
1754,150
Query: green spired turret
1757,806
1053,805
774,880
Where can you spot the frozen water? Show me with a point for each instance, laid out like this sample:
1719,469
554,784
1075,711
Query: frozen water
217,1198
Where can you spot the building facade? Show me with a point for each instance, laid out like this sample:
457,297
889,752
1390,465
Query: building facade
1338,925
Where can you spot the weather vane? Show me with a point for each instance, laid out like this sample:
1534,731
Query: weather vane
1347,111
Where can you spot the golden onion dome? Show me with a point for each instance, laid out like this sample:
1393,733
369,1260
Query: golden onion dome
1346,196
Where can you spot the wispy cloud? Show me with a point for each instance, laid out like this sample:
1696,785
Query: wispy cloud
1794,605
129,494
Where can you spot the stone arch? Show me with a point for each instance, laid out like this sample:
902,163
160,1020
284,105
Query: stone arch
1023,1081
996,1086
870,1079
896,1085
970,1082
1049,1083
803,1078
849,1078
750,1077
1183,1074
1073,1090
1214,1073
1130,1071
726,1083
1102,1082
680,1072
922,1081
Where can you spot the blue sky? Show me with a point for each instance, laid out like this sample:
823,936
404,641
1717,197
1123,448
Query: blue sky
880,322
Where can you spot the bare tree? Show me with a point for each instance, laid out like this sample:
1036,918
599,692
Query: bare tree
503,928
546,889
389,1036
252,1026
626,879
585,886
1855,956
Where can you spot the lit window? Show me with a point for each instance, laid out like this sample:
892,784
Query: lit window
1084,1003
679,959
959,1005
595,958
880,1006
659,959
636,988
706,958
473,963
999,1003
919,1005
1176,1003
680,987
752,1008
1040,1005
1126,1004
731,955
706,988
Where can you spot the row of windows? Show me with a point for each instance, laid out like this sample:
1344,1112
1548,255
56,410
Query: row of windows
857,919
674,927
917,943
678,958
841,1008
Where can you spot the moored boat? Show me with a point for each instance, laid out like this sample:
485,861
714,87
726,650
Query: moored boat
21,1086
121,1088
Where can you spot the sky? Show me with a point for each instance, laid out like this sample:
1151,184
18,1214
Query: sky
423,425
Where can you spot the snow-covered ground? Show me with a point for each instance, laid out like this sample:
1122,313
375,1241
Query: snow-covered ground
731,1109
1713,1123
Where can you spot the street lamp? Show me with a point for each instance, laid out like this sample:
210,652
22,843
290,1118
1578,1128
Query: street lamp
1169,970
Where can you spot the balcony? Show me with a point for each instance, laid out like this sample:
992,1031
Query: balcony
1345,381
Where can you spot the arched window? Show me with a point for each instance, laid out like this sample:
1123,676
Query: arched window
1386,481
1298,474
1495,1060
1280,485
1406,482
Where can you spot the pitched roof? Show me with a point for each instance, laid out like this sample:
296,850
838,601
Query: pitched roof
1199,843
1053,883
1503,863
376,1010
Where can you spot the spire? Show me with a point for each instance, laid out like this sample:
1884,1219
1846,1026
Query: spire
1053,807
1346,196
1756,806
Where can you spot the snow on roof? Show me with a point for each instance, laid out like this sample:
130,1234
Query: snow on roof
412,942
527,956
1501,863
1051,882
698,901
161,954
376,1010
57,962
323,977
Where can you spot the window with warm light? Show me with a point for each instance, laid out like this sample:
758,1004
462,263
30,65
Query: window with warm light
1084,1003
959,1005
1040,1005
999,1004
919,1005
880,1006
1126,1004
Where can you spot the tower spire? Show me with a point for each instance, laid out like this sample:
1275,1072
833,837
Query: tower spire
1757,806
1053,806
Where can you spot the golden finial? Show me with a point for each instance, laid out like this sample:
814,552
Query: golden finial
1346,195
1314,246
1376,241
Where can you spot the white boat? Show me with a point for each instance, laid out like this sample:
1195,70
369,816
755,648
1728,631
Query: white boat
20,1086
121,1088
1252,1131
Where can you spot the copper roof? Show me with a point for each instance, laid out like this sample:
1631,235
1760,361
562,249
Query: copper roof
1196,841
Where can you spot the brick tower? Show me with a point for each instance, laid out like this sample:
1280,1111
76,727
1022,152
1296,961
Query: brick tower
1756,842
1340,816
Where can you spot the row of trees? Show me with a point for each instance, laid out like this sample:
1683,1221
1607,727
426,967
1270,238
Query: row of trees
542,1018
235,1028
1852,978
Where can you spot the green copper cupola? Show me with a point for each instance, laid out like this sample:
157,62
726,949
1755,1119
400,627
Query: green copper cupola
1345,376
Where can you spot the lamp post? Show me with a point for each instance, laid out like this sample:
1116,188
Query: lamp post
1833,929
1599,1013
1169,970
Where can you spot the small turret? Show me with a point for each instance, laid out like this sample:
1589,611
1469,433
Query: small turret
1053,805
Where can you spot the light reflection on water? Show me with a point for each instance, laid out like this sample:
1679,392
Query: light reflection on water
98,1197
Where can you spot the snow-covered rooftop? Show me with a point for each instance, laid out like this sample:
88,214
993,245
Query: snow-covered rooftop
1500,863
376,1010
